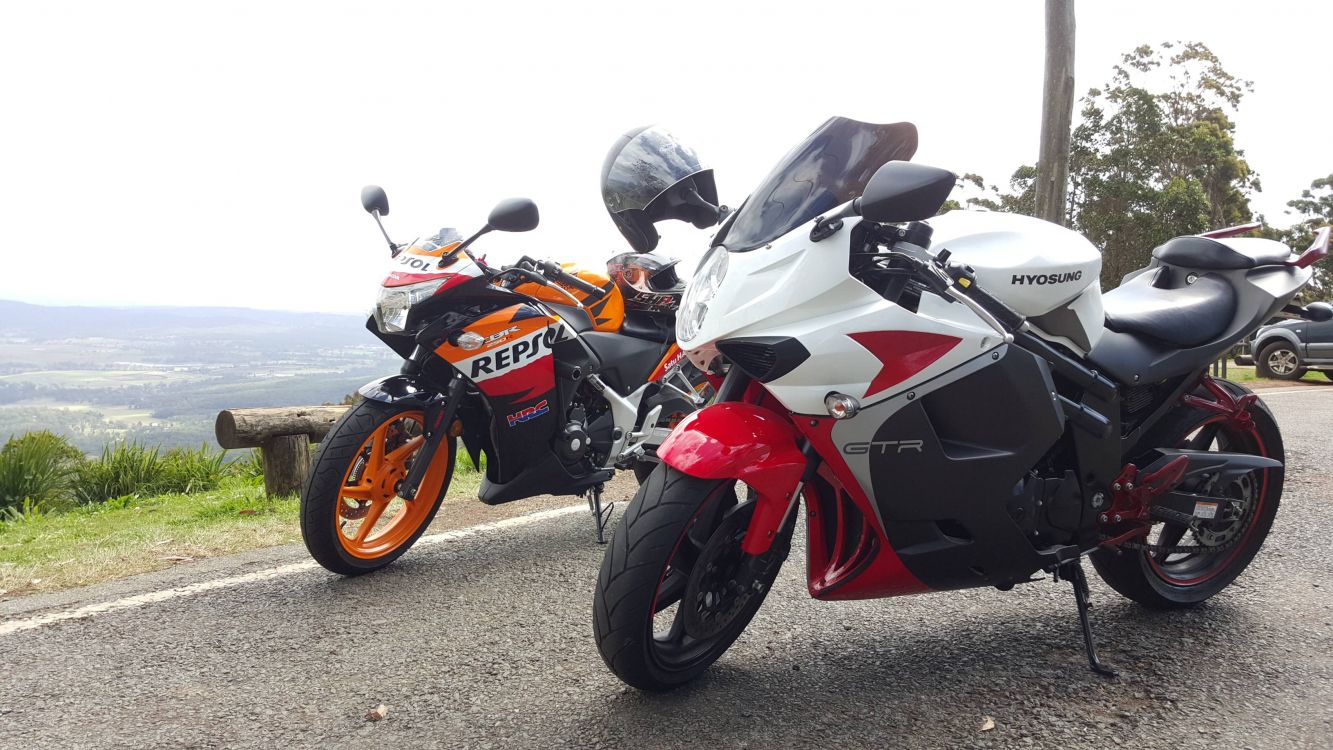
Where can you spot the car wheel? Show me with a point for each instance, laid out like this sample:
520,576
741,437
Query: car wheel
1279,360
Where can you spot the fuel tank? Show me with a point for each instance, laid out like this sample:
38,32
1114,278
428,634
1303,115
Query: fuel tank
1042,270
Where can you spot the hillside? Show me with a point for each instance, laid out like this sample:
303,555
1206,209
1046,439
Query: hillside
160,374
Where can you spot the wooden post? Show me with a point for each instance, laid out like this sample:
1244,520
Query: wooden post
283,434
286,464
1057,112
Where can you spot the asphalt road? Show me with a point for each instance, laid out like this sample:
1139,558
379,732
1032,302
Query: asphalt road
482,639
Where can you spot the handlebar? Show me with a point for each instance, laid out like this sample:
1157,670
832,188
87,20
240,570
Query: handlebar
552,270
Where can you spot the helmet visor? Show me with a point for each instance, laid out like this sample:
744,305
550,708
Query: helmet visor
644,167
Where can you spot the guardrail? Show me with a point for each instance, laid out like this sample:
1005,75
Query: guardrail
283,435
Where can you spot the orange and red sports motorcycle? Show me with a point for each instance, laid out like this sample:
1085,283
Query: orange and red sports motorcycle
558,376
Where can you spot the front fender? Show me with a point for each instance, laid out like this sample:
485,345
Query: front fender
733,440
398,389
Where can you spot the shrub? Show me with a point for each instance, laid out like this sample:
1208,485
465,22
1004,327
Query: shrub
123,469
35,468
186,470
251,466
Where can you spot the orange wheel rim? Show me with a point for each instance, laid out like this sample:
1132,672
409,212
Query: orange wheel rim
372,520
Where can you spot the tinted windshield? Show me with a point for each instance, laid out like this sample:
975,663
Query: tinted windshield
829,168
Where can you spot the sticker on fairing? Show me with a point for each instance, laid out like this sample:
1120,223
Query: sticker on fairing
532,412
1205,510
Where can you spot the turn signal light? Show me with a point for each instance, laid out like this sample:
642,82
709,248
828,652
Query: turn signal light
841,406
469,340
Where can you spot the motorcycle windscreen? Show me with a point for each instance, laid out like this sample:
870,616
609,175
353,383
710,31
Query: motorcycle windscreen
829,168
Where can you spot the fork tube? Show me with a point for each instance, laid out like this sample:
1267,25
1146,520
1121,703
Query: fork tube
439,418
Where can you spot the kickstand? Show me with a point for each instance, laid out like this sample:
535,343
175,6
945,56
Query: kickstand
1073,572
600,515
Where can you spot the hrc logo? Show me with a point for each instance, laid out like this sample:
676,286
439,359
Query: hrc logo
532,412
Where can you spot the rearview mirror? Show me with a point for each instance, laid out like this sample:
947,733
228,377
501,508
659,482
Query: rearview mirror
902,191
514,215
374,200
1319,311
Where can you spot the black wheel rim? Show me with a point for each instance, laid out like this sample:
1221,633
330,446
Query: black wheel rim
1235,520
671,646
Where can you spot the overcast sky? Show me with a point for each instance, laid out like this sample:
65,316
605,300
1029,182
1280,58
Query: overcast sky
212,153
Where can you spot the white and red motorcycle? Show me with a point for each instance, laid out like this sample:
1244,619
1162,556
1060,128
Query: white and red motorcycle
956,402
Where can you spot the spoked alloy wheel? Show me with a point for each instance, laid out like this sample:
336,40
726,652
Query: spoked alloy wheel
1194,562
1279,360
352,517
675,589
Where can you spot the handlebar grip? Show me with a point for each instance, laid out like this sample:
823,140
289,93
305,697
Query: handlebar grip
554,272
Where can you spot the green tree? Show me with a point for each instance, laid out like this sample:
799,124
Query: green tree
1155,156
1315,209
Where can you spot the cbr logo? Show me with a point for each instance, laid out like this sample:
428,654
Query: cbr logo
532,412
501,336
518,353
1046,278
881,447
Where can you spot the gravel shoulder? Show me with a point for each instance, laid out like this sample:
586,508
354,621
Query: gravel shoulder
485,641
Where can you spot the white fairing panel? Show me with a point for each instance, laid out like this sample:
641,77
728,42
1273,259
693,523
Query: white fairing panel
801,289
1034,266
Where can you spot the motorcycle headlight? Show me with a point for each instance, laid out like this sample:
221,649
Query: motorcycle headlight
699,292
396,302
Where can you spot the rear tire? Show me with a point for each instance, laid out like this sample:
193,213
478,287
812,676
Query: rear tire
1279,361
674,521
328,510
1159,583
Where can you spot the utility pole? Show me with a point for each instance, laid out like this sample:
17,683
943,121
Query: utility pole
1057,111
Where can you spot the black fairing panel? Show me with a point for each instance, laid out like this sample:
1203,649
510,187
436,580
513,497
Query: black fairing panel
625,361
573,317
945,508
652,327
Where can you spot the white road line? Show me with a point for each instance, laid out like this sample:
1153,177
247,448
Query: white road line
153,597
1276,391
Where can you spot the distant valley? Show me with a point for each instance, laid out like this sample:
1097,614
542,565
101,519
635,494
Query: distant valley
159,375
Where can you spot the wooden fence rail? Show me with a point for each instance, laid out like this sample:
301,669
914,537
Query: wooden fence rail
283,434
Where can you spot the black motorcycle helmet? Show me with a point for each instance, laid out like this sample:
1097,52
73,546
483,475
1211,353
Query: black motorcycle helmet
649,176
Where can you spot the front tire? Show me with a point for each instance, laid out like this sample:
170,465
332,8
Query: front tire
1279,361
352,519
679,535
1172,581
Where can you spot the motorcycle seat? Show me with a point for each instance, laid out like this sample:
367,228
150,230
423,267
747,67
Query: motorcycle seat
1182,313
1221,255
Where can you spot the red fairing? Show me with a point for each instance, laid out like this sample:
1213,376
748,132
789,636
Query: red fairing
1317,251
396,279
734,440
827,578
902,354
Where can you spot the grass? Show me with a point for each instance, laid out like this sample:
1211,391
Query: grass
91,543
1246,374
128,535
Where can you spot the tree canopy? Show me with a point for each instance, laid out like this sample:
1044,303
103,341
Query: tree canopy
1154,156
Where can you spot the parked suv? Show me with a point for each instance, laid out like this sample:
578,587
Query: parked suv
1289,349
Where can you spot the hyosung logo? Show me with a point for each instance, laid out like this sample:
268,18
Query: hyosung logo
1038,279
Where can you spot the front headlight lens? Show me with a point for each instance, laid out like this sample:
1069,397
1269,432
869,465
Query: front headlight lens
700,291
396,302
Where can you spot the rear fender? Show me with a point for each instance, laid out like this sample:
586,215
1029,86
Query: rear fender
741,441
